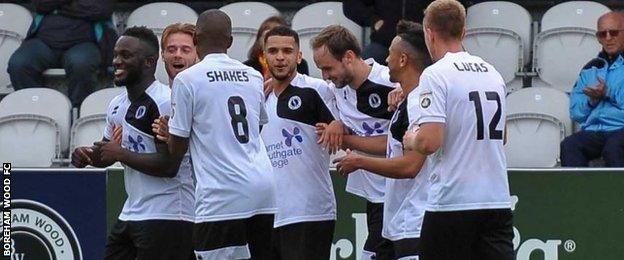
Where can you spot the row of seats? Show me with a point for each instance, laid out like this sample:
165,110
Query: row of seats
36,128
503,34
499,31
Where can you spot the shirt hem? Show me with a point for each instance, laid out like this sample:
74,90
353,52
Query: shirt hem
359,193
179,132
288,221
124,217
401,236
476,206
234,216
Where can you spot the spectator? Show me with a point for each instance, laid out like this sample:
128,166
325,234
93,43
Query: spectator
382,17
255,56
597,101
62,35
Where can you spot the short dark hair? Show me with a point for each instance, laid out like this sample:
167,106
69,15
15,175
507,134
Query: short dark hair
412,33
338,41
282,31
146,36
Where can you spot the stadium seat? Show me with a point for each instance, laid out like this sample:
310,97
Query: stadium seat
14,23
537,121
34,127
157,16
500,33
310,20
89,126
246,19
566,43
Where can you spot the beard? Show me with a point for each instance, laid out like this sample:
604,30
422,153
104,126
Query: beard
283,76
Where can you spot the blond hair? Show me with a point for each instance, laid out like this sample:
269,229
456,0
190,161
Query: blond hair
185,28
447,17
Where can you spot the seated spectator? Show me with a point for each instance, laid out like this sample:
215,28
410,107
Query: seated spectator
62,35
597,101
255,56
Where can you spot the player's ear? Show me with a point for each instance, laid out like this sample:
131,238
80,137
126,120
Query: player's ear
463,34
299,57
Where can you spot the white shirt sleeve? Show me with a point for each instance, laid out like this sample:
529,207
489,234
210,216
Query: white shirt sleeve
264,117
431,100
108,128
181,109
329,98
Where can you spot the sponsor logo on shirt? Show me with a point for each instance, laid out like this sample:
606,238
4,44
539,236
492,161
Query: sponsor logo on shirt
136,144
372,129
281,152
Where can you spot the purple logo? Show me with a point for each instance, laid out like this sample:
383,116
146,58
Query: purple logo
368,130
137,144
296,133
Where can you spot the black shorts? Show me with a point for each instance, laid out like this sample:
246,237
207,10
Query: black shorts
404,249
375,243
304,241
471,234
235,239
150,239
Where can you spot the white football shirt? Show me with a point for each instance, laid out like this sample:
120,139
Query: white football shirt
404,205
149,197
365,112
301,167
467,94
218,104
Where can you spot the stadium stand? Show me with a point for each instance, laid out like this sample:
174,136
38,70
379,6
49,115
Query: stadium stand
14,23
310,20
246,19
89,127
34,123
500,33
537,120
565,43
157,16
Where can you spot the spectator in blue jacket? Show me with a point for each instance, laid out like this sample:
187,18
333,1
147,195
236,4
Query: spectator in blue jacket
62,35
597,101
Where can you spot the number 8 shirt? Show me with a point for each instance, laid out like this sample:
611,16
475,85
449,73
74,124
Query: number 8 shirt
219,105
468,95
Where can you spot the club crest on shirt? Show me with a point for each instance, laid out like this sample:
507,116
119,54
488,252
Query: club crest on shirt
374,100
140,112
425,99
294,103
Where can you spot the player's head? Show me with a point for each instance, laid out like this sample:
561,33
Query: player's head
178,50
267,25
444,24
408,51
336,50
213,33
610,32
281,50
136,55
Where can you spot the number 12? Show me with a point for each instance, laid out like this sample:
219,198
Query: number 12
489,95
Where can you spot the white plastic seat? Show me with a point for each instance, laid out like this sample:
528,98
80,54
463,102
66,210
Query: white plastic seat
566,43
538,120
310,20
14,23
157,16
89,126
500,33
246,20
34,127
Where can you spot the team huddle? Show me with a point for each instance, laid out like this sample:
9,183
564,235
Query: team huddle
226,164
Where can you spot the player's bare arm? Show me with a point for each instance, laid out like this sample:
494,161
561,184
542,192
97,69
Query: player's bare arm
177,148
85,155
330,135
427,140
403,167
148,163
161,129
375,145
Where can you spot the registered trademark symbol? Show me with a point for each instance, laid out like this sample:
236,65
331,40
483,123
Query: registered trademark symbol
569,245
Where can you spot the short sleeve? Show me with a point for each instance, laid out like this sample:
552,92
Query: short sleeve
329,99
431,100
108,128
264,117
181,109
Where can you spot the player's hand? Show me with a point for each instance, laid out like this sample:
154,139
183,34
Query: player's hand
409,140
395,97
117,134
109,151
268,86
81,156
330,135
378,25
348,163
160,127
